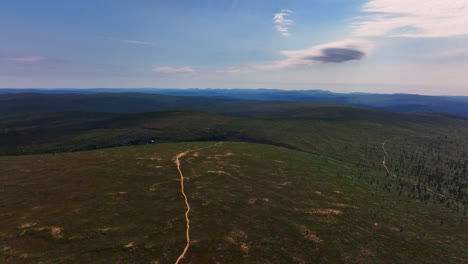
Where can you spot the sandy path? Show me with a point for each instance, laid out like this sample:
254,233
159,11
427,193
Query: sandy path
177,162
385,158
186,203
384,162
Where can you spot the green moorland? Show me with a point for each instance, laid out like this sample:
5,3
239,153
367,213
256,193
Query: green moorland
251,203
313,191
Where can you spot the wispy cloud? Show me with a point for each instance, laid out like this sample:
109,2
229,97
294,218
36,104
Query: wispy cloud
27,58
236,70
282,23
173,70
335,52
229,70
413,18
138,42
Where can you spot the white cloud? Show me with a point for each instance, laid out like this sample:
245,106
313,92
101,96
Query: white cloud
235,70
229,70
413,18
281,23
335,52
137,42
173,70
27,58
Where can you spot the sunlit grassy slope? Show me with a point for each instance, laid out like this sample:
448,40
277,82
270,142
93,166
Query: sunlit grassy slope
292,183
251,203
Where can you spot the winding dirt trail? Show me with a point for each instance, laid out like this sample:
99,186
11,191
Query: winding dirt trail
187,232
177,161
385,158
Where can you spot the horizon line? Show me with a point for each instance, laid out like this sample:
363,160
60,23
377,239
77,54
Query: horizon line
195,88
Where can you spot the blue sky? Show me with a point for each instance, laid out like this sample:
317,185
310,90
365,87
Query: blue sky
382,46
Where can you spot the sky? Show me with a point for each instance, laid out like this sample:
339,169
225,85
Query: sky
379,46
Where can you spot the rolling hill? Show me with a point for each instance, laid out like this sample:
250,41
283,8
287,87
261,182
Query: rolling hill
250,203
20,103
266,181
452,105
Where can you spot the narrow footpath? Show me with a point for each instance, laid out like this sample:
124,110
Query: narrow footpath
187,232
385,158
394,175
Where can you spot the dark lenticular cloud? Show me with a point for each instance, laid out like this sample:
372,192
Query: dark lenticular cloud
337,55
333,52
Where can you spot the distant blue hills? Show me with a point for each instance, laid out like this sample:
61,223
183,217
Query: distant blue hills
451,105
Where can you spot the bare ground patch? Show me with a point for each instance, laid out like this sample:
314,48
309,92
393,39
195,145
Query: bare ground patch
342,205
308,234
9,251
219,172
130,245
284,184
239,238
27,225
225,155
327,211
56,232
252,201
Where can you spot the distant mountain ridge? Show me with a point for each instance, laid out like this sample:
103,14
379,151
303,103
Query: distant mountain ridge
33,103
452,105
